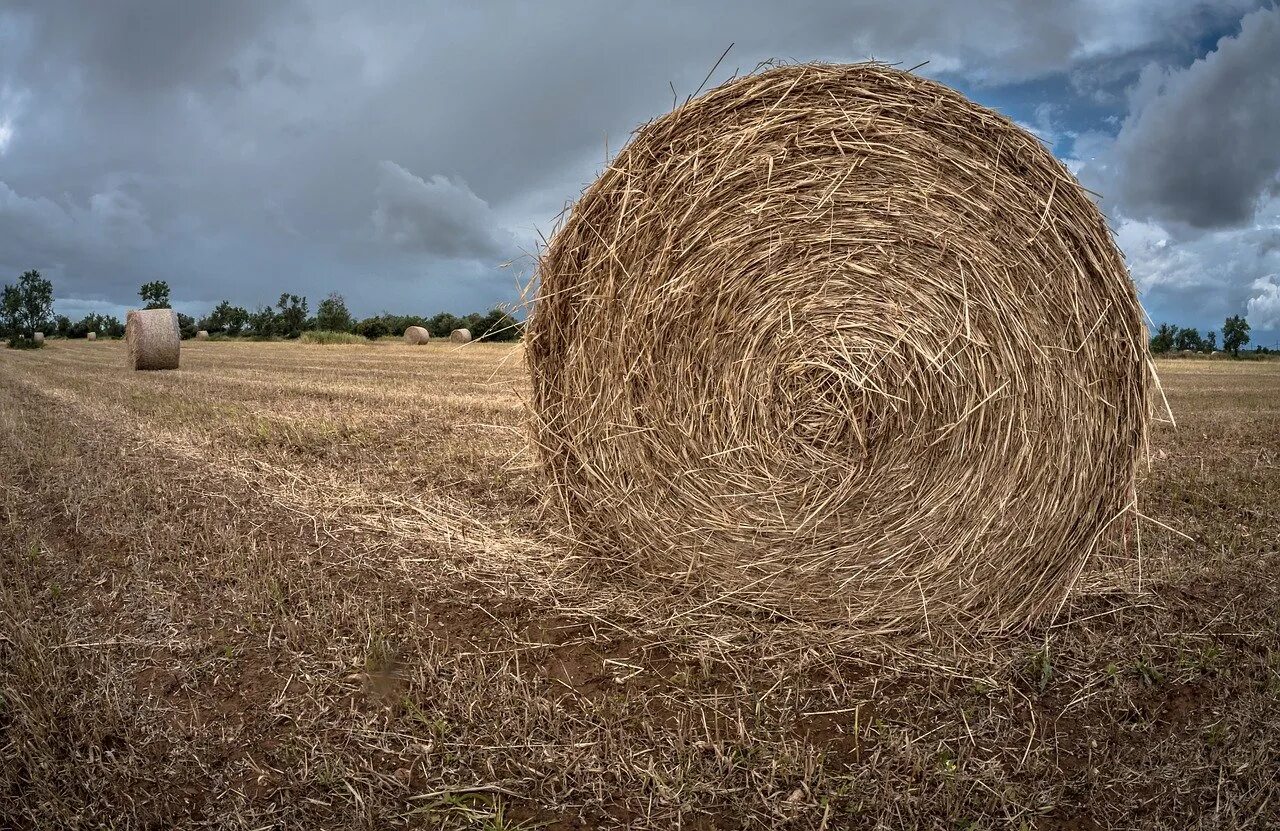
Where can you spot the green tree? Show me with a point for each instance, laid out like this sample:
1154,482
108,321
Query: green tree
263,322
26,306
1235,334
333,315
155,294
497,325
442,325
1188,340
1163,339
1210,341
63,324
226,318
292,318
186,326
373,327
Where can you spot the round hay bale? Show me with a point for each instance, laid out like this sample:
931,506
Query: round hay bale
836,342
38,337
202,335
92,336
154,339
416,335
460,336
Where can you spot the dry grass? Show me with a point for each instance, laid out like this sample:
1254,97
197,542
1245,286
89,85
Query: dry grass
304,587
837,343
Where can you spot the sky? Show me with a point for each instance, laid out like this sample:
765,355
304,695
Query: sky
412,155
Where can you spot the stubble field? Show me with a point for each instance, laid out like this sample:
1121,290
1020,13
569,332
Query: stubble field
317,587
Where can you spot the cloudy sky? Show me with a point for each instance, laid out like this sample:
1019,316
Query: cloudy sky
408,154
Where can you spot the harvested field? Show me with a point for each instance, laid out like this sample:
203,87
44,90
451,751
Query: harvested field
316,587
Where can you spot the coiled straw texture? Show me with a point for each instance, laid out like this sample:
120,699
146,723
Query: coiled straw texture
153,338
837,343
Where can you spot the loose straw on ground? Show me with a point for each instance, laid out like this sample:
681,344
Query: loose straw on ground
153,338
835,342
416,335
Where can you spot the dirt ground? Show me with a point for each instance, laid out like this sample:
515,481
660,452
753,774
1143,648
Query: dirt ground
316,587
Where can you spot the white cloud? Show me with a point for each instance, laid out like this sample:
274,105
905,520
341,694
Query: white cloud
439,216
1263,310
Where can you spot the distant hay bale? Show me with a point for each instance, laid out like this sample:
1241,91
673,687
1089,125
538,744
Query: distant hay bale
154,339
39,337
202,335
837,343
416,335
92,336
460,336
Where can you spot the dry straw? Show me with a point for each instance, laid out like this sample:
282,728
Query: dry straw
39,337
92,336
460,336
835,342
416,335
154,339
202,335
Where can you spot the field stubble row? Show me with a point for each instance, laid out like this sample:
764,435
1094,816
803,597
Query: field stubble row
318,586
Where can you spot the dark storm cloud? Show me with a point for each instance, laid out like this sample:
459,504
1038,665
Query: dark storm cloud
1201,144
399,152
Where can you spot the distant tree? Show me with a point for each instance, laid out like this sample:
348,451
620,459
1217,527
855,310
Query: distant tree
112,327
292,318
373,327
1188,340
442,325
89,323
186,326
155,294
226,318
26,306
1235,334
497,325
1210,341
263,322
1164,337
62,323
333,315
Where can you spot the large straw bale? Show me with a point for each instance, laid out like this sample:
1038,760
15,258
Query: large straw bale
416,335
39,337
92,336
460,336
837,343
202,335
154,339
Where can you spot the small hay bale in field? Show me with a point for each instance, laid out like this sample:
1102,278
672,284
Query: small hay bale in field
154,339
92,336
202,335
38,337
460,336
836,342
416,335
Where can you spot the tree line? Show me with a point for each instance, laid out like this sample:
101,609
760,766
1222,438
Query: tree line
1169,337
27,307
